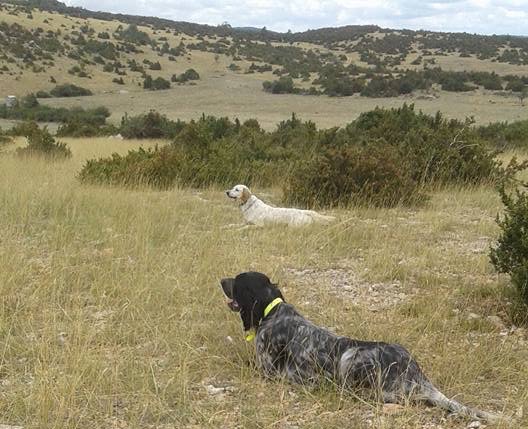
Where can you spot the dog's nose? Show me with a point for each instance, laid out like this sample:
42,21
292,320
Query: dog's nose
227,193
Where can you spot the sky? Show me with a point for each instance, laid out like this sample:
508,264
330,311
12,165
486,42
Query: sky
472,16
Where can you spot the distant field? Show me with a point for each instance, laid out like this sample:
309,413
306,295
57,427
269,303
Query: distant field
235,96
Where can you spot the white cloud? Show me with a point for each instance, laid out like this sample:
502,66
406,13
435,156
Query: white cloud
473,16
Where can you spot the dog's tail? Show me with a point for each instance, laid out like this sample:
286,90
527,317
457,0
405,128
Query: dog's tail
430,394
324,219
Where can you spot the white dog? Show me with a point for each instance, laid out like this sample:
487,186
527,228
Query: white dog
257,212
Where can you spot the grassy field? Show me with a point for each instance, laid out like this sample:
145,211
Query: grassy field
216,96
112,315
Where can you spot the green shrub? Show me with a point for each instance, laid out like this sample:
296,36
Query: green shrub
69,90
385,157
189,74
43,94
153,167
135,36
284,85
151,125
456,85
510,254
435,150
501,134
370,175
78,128
29,101
5,139
23,129
155,66
204,152
155,84
42,143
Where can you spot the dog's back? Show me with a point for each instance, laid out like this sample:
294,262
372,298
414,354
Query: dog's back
261,213
287,344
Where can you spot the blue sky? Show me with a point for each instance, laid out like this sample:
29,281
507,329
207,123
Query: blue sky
472,16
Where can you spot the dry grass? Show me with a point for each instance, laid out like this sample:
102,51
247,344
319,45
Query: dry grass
112,316
214,96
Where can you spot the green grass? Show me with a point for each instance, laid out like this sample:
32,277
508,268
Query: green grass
111,315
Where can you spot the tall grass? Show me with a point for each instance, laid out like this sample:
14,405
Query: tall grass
112,317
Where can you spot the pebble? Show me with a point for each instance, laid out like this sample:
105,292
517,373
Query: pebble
213,390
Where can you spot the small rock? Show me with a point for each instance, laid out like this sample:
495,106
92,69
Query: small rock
61,340
474,425
213,390
392,408
472,316
496,321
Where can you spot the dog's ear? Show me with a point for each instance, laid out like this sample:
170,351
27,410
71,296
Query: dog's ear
227,286
245,195
253,292
247,301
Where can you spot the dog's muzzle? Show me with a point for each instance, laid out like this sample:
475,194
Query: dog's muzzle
233,305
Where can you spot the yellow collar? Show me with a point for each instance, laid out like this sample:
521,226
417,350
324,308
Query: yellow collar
250,336
272,305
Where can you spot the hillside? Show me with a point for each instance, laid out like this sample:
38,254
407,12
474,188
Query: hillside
122,58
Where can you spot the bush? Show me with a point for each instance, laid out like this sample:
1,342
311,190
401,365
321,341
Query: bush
189,74
24,129
4,139
42,94
69,90
385,157
435,150
155,66
42,143
501,134
370,175
152,125
155,84
283,85
456,85
79,128
205,152
29,101
510,255
154,167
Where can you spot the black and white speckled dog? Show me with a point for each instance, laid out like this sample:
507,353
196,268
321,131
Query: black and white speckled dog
290,346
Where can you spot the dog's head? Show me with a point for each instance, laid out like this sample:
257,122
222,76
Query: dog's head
241,193
249,294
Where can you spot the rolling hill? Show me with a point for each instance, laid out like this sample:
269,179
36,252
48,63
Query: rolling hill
319,73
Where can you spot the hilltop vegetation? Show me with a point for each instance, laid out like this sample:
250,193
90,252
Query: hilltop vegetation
150,53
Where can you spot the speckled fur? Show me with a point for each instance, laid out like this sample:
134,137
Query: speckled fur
288,345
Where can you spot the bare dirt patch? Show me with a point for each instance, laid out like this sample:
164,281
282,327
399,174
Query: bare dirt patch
346,282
